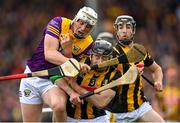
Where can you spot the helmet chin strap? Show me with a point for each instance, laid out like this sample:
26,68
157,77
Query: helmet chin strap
124,42
78,37
102,69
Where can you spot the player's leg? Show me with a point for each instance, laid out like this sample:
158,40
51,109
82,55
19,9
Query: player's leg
151,116
31,112
56,99
31,103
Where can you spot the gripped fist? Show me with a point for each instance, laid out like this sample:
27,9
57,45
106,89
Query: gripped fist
66,41
66,44
74,98
84,68
158,86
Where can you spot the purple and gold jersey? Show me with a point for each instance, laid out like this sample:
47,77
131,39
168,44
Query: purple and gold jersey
56,27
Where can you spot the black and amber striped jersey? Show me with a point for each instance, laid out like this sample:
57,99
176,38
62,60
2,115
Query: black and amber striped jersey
90,81
129,97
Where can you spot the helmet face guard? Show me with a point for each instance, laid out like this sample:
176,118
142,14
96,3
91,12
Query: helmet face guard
101,49
125,19
120,20
87,15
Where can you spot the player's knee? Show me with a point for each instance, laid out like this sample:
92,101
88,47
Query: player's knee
59,107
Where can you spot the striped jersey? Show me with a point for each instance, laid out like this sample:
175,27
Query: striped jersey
129,97
56,27
91,81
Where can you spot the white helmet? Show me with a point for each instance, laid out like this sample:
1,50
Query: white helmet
88,15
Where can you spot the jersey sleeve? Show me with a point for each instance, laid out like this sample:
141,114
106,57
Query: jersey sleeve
148,60
54,27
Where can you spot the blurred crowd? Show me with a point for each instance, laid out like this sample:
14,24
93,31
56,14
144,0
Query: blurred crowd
158,28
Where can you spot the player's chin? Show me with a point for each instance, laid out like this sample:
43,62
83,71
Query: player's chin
79,35
101,69
82,35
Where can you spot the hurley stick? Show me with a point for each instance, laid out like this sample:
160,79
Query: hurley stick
133,56
128,78
70,68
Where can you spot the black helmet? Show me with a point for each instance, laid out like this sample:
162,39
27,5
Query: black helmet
106,36
125,19
102,47
129,20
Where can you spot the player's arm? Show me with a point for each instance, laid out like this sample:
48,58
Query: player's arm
102,99
99,100
53,40
66,44
157,75
63,84
51,53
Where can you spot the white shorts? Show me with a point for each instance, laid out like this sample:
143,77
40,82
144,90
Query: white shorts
32,89
131,116
101,119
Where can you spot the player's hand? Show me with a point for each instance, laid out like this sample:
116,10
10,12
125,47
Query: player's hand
66,43
66,40
158,86
84,68
74,98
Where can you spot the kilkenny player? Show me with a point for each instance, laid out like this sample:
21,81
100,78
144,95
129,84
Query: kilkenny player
130,104
91,109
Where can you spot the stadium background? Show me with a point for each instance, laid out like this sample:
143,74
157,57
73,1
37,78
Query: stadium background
158,28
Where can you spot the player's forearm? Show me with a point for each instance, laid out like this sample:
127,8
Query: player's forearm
157,74
67,54
77,88
51,53
63,84
101,100
55,57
